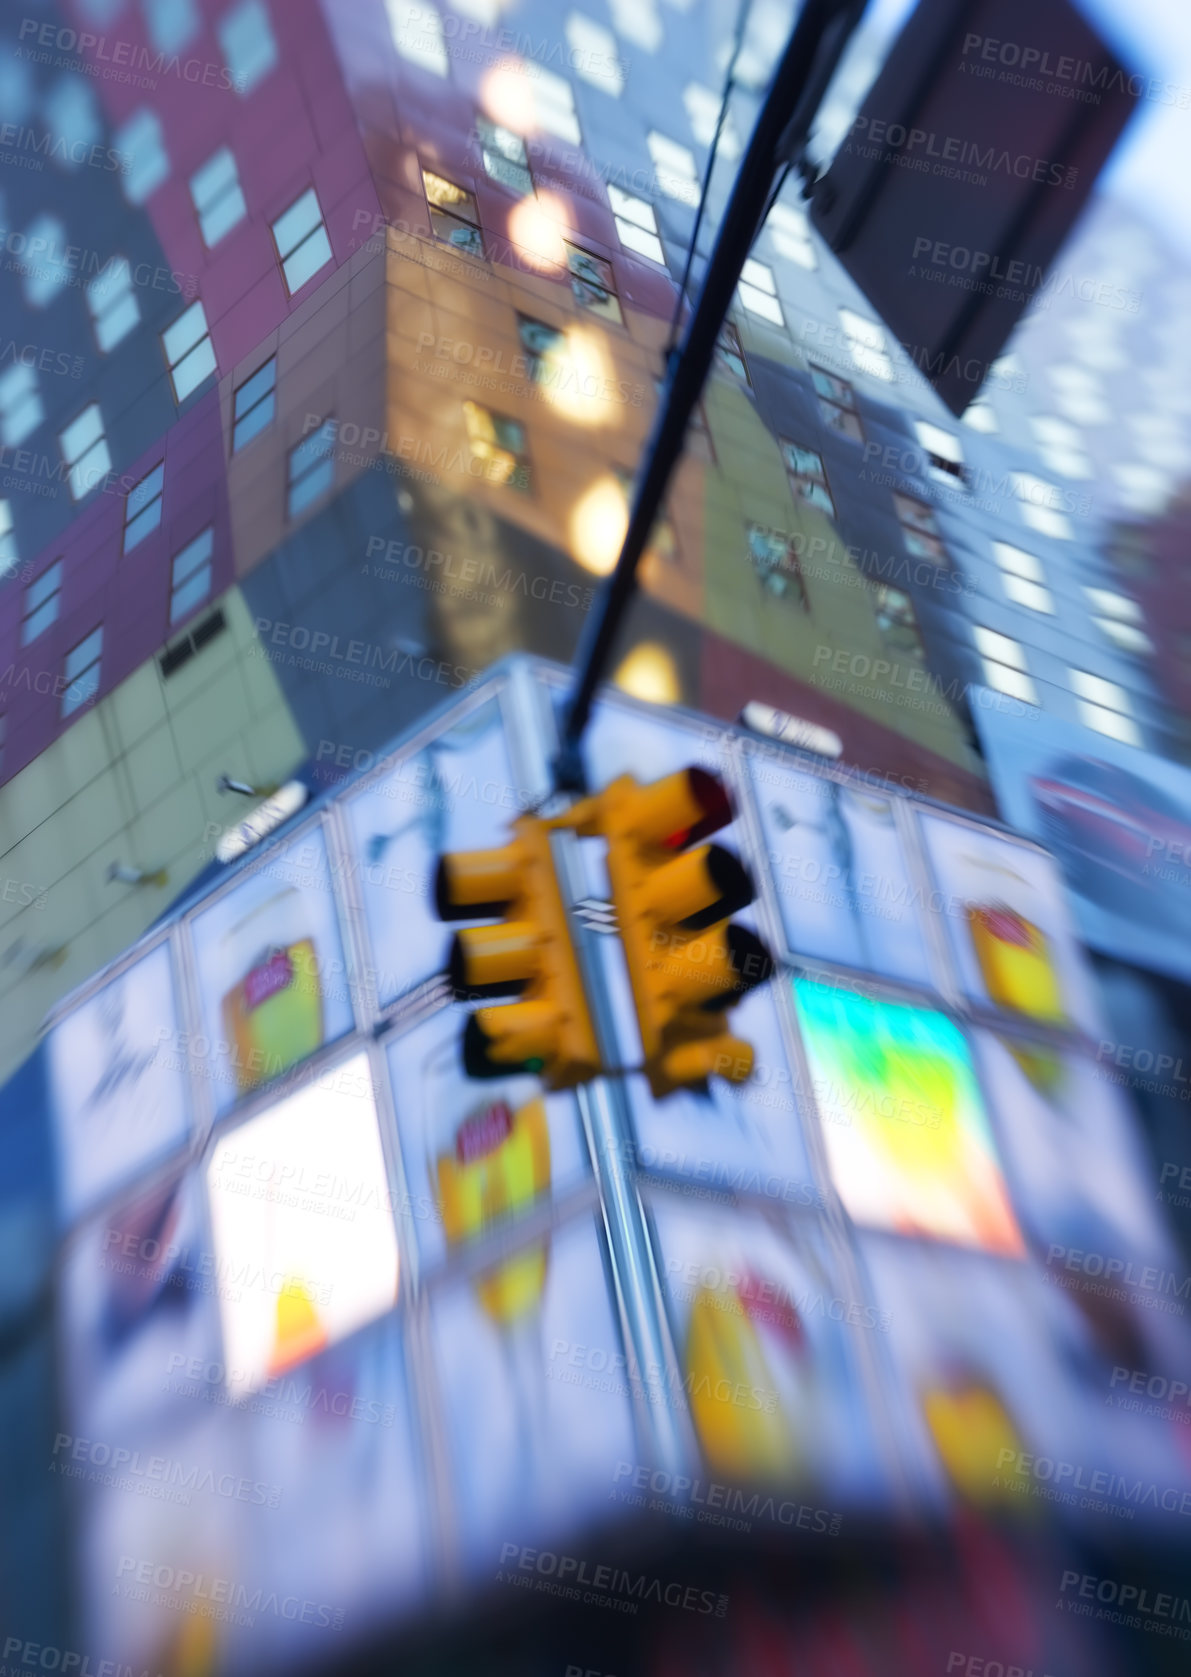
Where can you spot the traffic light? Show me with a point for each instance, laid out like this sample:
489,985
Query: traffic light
528,954
687,962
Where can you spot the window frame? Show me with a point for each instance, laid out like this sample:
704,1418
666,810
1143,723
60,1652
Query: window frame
268,395
312,232
152,502
71,681
29,611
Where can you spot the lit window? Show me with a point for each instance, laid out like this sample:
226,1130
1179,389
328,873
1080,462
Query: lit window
837,403
39,608
499,444
776,563
1038,505
484,11
676,172
1114,605
1018,563
1005,666
1126,637
1104,706
188,350
1061,446
545,349
636,225
8,540
637,21
49,271
172,23
866,344
1119,619
896,620
254,405
920,529
72,120
554,104
190,575
791,235
757,291
981,417
593,285
146,161
218,200
85,452
730,353
21,411
808,480
1030,594
113,305
249,50
454,218
416,28
1022,578
81,672
142,507
301,239
944,453
311,469
703,111
503,156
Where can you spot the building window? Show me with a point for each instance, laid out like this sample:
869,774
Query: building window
1022,578
218,200
920,529
594,55
1005,667
417,34
807,477
757,291
113,305
637,21
21,411
1104,706
703,113
46,276
39,608
311,469
791,235
499,444
146,161
676,172
981,417
1061,446
837,403
254,405
503,155
72,121
171,23
545,349
8,540
249,50
1039,505
190,574
553,100
142,508
1119,619
81,672
301,239
866,345
944,453
636,225
896,620
85,452
776,563
188,351
454,218
730,353
593,284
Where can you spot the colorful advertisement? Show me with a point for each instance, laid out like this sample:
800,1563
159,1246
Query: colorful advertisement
839,871
1007,925
1118,821
301,1207
904,1123
534,1397
117,1083
768,1340
476,1154
457,793
271,973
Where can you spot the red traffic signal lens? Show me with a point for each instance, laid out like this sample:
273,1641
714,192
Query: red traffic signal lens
710,797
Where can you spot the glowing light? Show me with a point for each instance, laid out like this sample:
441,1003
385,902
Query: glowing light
535,227
577,380
598,524
649,673
506,95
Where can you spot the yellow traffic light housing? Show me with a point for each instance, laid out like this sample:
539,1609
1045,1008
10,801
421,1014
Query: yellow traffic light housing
529,954
687,963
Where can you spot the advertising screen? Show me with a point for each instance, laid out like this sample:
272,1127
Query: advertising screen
476,1154
117,1082
903,1119
270,970
457,793
767,1337
1007,925
301,1206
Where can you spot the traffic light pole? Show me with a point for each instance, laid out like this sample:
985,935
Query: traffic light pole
812,52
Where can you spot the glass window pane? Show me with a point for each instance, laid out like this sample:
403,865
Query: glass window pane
1029,594
46,584
1013,682
147,164
249,50
309,488
117,322
306,261
89,471
81,433
148,489
254,422
1000,647
188,594
255,387
39,620
218,221
193,369
85,653
447,196
297,223
195,553
185,332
